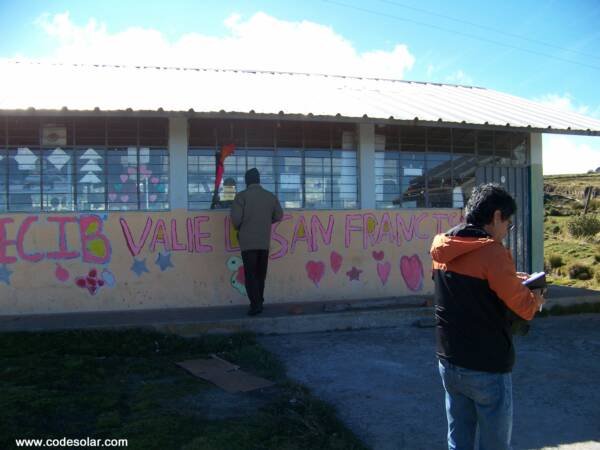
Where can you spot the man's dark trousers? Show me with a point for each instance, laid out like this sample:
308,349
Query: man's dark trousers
255,271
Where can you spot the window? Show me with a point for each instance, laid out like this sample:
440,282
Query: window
436,167
307,165
98,164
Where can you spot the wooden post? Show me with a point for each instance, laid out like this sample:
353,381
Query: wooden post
589,190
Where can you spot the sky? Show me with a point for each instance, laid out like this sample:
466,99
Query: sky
548,51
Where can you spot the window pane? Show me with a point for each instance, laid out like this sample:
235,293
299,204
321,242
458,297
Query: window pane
154,178
57,180
463,171
439,139
122,179
412,180
91,179
201,177
24,185
289,177
3,178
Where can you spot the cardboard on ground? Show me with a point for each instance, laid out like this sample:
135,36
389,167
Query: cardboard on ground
227,376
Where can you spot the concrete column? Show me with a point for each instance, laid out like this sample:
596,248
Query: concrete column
178,141
537,203
366,157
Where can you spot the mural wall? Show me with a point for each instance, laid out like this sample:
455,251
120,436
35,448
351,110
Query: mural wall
117,261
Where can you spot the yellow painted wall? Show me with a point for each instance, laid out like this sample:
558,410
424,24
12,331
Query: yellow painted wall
52,263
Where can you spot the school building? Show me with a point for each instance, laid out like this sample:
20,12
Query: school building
107,176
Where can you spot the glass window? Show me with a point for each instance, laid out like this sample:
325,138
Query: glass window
288,163
201,177
317,179
154,178
87,174
91,179
122,178
412,180
439,180
57,180
3,179
24,173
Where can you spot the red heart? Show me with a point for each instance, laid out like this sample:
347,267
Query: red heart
336,261
412,272
378,256
315,271
241,276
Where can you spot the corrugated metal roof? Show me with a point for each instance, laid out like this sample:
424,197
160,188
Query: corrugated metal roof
85,88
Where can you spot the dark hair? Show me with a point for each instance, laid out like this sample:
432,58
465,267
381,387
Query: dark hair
252,176
485,200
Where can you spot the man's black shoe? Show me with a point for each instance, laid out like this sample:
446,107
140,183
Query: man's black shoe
254,311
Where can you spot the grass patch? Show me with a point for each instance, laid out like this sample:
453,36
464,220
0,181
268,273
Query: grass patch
125,385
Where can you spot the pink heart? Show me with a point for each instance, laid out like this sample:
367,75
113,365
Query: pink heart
154,180
378,256
315,271
412,272
131,170
152,197
336,261
112,197
124,198
383,270
124,178
145,171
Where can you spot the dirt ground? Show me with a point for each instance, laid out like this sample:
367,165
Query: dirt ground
386,387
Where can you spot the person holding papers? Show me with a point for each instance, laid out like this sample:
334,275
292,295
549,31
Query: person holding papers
478,297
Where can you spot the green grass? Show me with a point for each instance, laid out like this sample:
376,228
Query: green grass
572,251
124,384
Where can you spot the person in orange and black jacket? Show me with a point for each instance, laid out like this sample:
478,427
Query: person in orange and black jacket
478,294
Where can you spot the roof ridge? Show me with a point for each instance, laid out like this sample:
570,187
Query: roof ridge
248,71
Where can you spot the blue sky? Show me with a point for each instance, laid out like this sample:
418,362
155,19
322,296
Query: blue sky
543,50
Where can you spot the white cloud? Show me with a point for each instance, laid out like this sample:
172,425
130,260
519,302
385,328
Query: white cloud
459,77
564,102
570,154
261,42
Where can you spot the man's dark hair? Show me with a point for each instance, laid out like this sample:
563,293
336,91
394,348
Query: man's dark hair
252,176
485,200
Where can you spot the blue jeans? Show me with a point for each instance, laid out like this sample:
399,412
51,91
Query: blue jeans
478,408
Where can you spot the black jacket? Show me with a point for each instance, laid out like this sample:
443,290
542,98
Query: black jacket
477,293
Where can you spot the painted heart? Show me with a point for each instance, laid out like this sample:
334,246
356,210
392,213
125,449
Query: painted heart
152,197
315,271
118,187
336,261
124,198
131,170
411,269
383,270
145,171
124,178
378,256
154,180
112,197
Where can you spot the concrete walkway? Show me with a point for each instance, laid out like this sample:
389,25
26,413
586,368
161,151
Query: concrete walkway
386,387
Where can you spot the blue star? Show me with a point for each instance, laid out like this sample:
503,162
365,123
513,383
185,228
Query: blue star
164,261
5,274
139,267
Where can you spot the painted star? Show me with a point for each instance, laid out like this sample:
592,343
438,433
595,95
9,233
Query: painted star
164,261
139,267
354,274
5,274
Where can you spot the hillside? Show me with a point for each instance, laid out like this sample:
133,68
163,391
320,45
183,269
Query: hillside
572,260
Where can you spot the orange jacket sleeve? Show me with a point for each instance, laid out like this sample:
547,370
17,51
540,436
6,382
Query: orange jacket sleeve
503,280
